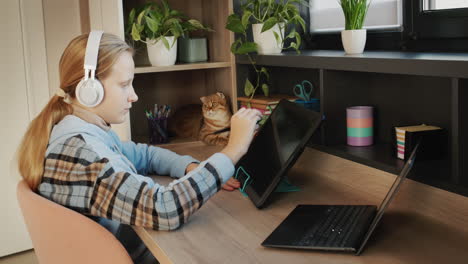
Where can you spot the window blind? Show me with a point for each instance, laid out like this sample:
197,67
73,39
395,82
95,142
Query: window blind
326,16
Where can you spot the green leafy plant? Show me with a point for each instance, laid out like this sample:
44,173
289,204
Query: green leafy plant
270,13
355,12
154,22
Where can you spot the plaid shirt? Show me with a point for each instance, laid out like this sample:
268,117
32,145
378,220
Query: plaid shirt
77,177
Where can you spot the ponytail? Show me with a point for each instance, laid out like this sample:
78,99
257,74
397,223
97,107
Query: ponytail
34,143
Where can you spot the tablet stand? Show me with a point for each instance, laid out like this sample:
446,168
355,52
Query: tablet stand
283,186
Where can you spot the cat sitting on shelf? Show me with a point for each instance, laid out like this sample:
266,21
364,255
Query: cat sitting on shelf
207,122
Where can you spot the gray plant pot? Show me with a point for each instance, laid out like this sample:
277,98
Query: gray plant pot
193,50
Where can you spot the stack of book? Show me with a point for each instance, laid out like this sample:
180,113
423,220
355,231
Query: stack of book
264,104
408,136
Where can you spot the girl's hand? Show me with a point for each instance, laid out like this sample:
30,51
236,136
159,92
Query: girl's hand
243,125
231,185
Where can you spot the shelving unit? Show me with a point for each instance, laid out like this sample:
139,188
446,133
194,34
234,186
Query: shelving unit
404,88
183,67
180,84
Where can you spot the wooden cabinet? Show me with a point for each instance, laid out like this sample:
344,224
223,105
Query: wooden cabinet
182,83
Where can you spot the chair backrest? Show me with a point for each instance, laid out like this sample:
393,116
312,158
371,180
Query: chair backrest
61,235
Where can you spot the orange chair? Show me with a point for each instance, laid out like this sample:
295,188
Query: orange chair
61,235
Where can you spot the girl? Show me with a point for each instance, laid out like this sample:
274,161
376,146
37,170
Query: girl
71,156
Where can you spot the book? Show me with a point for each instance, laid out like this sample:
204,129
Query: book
432,144
263,111
269,107
266,100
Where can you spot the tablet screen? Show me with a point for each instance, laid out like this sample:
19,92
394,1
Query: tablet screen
277,143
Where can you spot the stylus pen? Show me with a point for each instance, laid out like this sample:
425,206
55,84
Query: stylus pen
222,130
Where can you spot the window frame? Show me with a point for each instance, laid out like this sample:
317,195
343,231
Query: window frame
439,24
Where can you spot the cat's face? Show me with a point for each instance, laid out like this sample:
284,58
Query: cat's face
214,105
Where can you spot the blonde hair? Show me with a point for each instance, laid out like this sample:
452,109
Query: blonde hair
31,151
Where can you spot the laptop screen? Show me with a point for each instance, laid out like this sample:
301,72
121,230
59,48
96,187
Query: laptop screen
390,195
276,146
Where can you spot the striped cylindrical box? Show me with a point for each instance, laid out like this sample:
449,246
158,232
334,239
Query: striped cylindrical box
360,129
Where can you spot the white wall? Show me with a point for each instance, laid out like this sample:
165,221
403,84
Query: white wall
34,35
24,91
62,24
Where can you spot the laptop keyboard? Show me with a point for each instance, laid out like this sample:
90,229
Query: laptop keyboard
335,228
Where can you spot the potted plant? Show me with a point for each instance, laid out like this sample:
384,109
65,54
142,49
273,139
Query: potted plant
354,37
159,27
269,19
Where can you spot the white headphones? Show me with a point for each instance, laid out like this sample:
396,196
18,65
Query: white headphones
89,90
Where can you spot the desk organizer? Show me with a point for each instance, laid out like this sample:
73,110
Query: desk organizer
360,129
313,104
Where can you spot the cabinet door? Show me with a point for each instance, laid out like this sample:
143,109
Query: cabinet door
24,90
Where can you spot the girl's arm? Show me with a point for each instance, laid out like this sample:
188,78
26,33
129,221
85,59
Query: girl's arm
155,160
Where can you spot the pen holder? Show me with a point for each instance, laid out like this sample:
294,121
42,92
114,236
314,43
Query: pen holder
157,130
360,128
313,104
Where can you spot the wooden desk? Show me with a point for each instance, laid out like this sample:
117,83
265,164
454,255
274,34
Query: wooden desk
422,225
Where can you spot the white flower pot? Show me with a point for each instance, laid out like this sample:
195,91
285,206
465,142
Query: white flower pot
266,41
354,40
159,55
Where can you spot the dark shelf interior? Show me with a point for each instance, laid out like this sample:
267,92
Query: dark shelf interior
381,156
378,156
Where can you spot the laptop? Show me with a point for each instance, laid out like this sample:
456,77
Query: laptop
345,228
274,150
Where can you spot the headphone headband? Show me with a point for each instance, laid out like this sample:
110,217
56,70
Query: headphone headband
91,55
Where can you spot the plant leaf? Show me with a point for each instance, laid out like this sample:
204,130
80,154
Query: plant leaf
248,88
234,24
166,7
245,18
277,37
265,71
131,16
265,89
135,33
152,24
291,34
234,46
298,39
247,47
140,16
165,42
269,23
196,24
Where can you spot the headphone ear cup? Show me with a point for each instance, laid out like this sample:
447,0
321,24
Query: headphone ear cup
89,92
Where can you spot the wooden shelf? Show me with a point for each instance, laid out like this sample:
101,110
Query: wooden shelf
395,62
183,67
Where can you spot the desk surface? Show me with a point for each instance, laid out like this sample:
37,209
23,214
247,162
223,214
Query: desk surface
420,225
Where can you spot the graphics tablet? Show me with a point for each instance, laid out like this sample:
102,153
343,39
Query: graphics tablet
275,149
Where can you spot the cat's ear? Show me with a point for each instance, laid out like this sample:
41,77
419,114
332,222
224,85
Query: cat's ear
220,94
204,99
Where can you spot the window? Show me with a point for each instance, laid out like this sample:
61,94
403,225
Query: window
440,19
410,25
326,16
444,4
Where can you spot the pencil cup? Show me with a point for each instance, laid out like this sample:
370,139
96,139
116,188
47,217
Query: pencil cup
360,129
313,104
157,128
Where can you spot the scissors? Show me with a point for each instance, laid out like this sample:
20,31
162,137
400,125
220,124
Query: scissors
303,90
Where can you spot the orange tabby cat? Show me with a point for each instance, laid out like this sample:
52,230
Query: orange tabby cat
203,121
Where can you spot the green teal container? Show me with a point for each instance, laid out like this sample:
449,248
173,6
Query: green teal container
192,50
